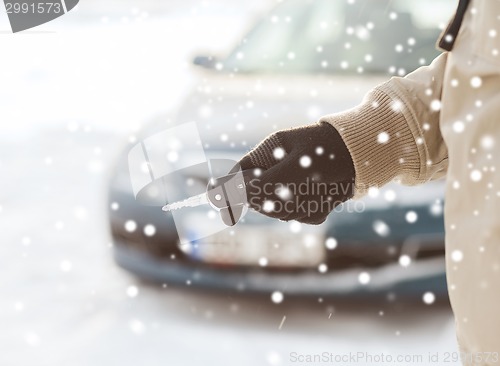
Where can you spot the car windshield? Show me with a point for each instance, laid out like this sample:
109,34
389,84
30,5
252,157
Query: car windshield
351,36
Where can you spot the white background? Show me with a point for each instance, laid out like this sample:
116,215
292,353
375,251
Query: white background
71,93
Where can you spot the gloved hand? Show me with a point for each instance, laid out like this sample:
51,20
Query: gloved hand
299,174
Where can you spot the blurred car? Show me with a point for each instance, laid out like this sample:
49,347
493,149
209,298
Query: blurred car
302,60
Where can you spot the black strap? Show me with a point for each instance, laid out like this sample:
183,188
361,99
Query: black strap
448,37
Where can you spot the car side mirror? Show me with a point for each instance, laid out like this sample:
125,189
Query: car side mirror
205,61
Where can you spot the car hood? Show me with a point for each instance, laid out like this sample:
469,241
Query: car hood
236,111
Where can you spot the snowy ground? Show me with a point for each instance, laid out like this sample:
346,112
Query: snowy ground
70,93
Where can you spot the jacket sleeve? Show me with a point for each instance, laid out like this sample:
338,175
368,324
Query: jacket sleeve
394,133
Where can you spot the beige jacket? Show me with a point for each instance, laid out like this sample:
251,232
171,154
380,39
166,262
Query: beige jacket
444,120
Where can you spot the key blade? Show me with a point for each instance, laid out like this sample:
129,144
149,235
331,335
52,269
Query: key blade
194,201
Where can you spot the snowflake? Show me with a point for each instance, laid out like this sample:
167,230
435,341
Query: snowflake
429,298
476,175
173,156
458,126
381,228
436,105
284,193
65,265
277,297
397,105
411,217
279,153
136,326
130,226
149,230
382,137
373,192
268,206
331,243
364,278
295,227
273,358
305,161
457,255
487,142
32,339
132,291
322,268
436,208
257,172
404,260
390,195
476,82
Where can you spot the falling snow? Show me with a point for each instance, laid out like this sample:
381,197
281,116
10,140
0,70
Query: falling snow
99,304
284,193
277,297
295,227
279,153
411,217
130,226
331,243
364,278
305,161
436,105
476,175
383,137
458,126
390,195
476,82
322,268
404,260
381,228
132,291
268,206
65,265
149,230
487,142
457,255
429,298
373,192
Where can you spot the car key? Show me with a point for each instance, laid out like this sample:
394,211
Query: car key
226,194
193,201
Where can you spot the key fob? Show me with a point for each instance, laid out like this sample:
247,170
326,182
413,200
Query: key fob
227,194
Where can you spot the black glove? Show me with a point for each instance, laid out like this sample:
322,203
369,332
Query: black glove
299,174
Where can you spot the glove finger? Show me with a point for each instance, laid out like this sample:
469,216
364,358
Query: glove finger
245,163
262,196
263,155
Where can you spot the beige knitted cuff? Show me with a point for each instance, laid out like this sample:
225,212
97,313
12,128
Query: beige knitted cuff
380,141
